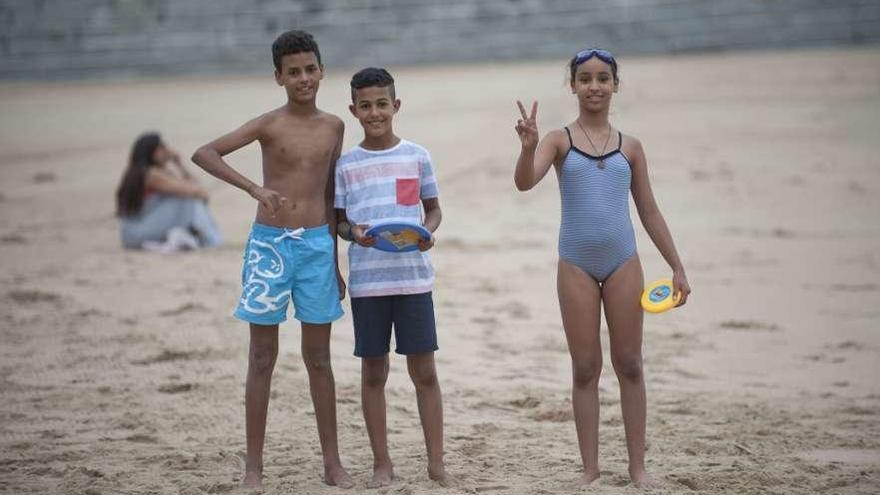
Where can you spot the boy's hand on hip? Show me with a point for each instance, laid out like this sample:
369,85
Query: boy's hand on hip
358,233
271,200
527,126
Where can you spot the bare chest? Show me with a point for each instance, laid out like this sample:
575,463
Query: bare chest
289,147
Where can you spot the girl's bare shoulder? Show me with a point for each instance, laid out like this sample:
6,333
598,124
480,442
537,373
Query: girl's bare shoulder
631,147
558,138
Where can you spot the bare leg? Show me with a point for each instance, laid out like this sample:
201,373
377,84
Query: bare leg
316,356
261,361
620,296
579,297
424,376
374,374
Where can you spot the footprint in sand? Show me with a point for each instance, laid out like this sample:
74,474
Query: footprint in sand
857,187
552,344
490,488
699,175
689,374
776,233
289,366
485,428
527,402
218,487
176,388
473,448
485,320
748,325
613,421
680,410
141,438
52,434
13,239
86,313
487,287
33,296
722,172
503,349
760,385
348,395
866,287
166,356
402,409
184,308
44,177
748,259
554,415
848,345
860,411
493,405
454,244
514,309
685,481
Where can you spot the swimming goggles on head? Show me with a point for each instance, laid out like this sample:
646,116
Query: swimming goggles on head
603,55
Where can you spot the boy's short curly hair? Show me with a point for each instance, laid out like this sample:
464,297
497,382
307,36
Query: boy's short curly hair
369,78
291,42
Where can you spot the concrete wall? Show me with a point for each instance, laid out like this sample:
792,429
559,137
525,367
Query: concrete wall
82,38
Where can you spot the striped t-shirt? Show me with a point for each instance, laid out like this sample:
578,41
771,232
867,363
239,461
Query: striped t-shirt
386,185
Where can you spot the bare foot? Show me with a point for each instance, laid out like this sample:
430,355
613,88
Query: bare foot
642,480
337,476
588,478
382,476
438,473
253,480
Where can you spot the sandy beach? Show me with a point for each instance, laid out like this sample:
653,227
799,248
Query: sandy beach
123,371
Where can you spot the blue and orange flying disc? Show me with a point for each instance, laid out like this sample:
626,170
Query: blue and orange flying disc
398,237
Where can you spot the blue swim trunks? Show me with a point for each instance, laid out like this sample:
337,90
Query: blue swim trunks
281,264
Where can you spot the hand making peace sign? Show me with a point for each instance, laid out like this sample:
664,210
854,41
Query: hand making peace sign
527,126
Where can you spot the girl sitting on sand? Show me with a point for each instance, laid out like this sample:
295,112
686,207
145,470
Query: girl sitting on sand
597,167
162,208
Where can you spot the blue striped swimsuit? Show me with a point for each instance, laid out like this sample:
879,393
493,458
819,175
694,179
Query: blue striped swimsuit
596,233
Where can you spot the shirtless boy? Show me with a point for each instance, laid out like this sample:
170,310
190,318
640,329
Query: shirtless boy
291,252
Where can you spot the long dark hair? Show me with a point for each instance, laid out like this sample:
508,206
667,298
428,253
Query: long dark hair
130,194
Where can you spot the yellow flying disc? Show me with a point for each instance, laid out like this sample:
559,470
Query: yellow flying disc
658,296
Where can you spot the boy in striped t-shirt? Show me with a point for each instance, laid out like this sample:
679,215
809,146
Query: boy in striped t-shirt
385,178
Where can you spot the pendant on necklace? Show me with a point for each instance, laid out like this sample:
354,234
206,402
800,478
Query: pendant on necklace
601,164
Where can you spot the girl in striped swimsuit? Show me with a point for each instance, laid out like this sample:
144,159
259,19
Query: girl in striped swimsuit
598,167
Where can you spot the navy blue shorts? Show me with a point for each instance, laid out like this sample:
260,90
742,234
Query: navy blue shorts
412,316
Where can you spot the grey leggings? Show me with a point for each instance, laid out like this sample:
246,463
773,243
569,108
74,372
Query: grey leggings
161,213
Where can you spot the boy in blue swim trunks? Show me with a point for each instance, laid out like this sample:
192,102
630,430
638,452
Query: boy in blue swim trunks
290,255
387,178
